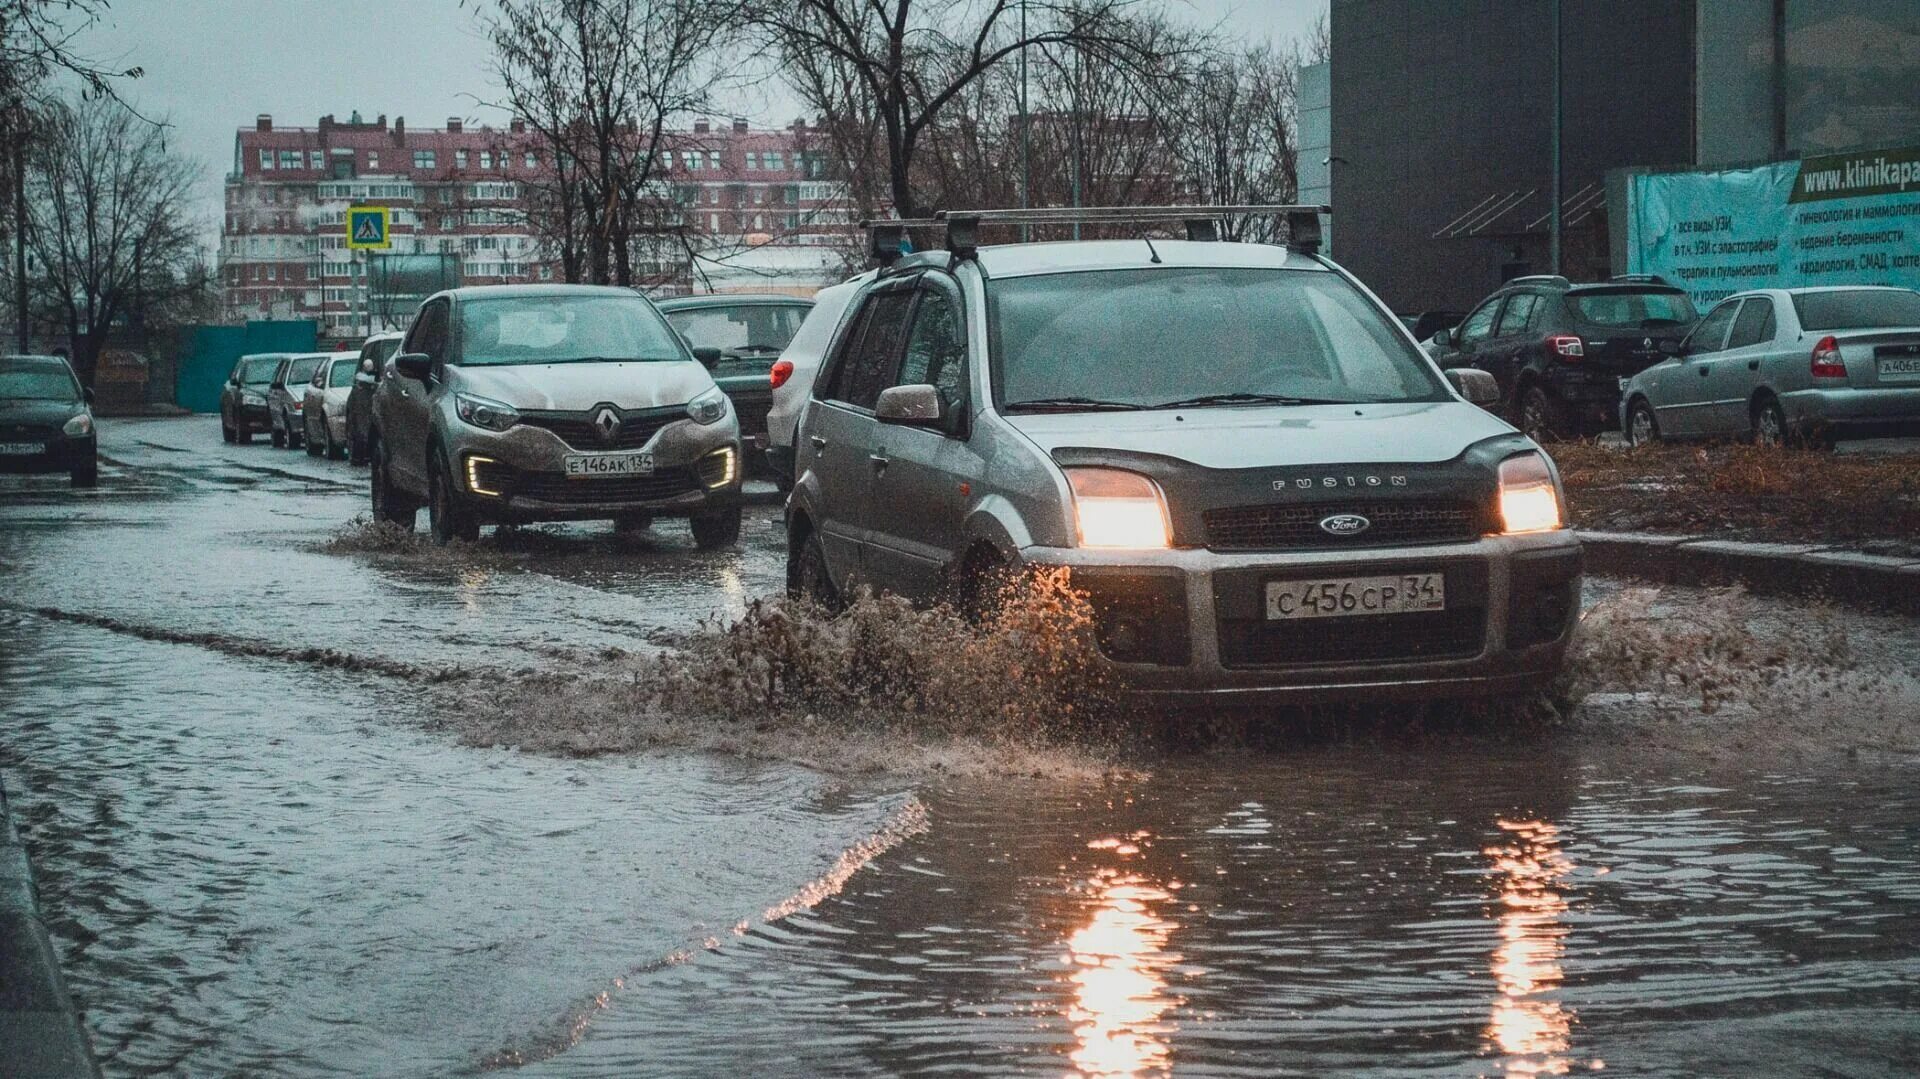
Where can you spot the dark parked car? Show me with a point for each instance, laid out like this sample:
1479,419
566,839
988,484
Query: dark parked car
243,400
739,337
45,424
1561,350
374,355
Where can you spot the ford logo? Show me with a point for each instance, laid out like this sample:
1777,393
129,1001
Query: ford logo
1344,524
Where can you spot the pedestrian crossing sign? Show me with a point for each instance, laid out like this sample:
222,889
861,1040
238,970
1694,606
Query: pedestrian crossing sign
367,228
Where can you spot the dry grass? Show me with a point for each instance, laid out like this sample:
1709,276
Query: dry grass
1748,492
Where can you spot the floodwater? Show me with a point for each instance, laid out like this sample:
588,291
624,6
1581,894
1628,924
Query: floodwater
258,864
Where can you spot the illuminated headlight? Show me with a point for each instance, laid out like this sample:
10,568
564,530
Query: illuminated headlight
1121,509
78,427
474,482
481,412
729,466
709,407
1529,497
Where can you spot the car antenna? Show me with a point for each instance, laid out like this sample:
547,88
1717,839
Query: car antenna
1151,250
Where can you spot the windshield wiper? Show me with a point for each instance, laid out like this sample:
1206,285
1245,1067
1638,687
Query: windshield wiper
1074,404
1250,399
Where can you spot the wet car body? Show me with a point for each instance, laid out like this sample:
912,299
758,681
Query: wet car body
750,333
243,399
374,354
324,416
796,368
633,431
46,422
1264,506
287,397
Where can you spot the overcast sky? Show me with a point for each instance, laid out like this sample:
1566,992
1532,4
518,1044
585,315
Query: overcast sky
211,65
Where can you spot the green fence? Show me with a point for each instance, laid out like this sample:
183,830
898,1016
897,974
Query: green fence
209,351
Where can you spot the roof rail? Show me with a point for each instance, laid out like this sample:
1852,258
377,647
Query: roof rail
1640,279
887,237
1202,222
1538,279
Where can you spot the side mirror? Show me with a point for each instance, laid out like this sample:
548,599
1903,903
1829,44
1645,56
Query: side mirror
414,365
1443,339
1475,385
709,357
87,393
910,406
1673,348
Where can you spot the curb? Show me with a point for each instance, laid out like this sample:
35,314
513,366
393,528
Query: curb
40,1031
1880,582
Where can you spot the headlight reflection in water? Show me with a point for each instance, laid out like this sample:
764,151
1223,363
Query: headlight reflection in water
1117,969
1529,1026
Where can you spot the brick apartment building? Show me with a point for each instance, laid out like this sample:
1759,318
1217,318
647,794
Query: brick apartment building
755,206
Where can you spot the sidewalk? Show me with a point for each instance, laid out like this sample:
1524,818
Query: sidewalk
40,1033
1859,578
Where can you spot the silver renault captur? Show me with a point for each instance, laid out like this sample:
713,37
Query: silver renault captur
1263,485
518,403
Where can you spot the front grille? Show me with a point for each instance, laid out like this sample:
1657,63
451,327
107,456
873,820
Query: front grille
1282,527
752,409
556,488
1425,635
577,429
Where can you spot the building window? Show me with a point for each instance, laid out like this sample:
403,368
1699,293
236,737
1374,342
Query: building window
691,159
532,161
753,161
713,222
486,159
373,159
266,159
759,196
459,159
316,159
423,159
713,159
546,273
270,273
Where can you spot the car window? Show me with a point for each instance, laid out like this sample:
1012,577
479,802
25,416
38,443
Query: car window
564,328
936,352
1711,334
1638,309
258,370
873,353
1856,309
280,373
301,370
757,329
1518,312
1479,325
429,334
1754,324
341,374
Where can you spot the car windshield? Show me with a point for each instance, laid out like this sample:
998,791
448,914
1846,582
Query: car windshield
34,378
303,369
1152,338
753,331
1636,310
258,371
1857,309
562,329
341,374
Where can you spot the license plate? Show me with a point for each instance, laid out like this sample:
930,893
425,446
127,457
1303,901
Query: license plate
22,449
1347,597
592,466
1900,368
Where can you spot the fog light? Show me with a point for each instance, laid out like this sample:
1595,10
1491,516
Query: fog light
474,461
1529,499
728,467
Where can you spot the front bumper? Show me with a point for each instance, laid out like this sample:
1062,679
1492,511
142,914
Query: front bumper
522,475
63,453
252,418
1889,409
1189,625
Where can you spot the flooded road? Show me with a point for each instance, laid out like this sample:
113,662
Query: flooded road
258,864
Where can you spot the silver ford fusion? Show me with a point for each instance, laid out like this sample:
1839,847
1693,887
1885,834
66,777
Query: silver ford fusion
519,403
1262,484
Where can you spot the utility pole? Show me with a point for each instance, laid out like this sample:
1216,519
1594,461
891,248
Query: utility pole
19,126
1553,228
1026,123
1779,79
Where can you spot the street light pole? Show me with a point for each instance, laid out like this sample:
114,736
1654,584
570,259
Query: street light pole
1553,228
19,126
1026,123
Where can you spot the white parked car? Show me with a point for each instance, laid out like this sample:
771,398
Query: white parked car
793,372
324,415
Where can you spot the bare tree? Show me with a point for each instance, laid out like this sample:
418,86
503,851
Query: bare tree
1237,133
107,220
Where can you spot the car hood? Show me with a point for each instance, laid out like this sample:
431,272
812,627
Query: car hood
574,387
1402,433
38,412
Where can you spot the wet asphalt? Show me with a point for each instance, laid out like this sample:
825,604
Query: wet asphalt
257,864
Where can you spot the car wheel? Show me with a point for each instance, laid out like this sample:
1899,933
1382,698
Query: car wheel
296,435
356,449
712,530
447,518
1642,428
227,433
1769,424
277,436
314,446
388,505
807,576
1540,416
87,475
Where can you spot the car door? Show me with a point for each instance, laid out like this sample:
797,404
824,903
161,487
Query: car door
838,431
1736,370
924,476
1473,336
406,423
1686,393
1504,353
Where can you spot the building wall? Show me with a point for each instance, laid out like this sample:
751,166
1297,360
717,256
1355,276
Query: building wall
1442,106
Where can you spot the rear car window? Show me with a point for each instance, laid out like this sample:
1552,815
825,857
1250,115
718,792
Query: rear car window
341,374
302,370
1633,308
756,329
1857,309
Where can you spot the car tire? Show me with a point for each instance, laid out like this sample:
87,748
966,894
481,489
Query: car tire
87,475
389,505
715,530
1643,427
1541,417
227,433
275,435
1770,424
807,576
314,448
333,451
356,449
296,436
448,519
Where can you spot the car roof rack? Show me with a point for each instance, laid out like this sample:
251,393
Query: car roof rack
885,236
1639,279
1539,279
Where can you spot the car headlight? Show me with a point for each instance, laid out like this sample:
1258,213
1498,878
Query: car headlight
482,412
1529,497
253,399
78,427
709,407
1114,508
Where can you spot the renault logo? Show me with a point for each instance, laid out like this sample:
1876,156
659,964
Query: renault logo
1344,524
607,422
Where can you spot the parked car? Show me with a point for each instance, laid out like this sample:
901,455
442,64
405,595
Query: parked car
46,422
1559,349
324,415
1308,510
1779,365
287,397
374,355
792,374
243,399
1427,323
742,336
516,403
